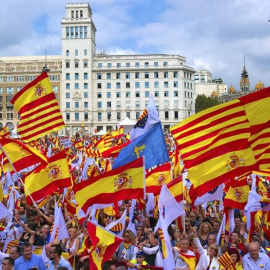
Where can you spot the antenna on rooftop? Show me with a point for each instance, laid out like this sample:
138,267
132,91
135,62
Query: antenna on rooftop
45,68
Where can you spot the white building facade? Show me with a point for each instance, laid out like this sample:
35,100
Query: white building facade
99,90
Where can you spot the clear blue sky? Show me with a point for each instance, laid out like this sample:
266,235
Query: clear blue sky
212,34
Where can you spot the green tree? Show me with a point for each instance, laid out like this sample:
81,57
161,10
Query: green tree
203,102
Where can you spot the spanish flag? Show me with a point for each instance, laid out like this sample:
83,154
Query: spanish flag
38,109
46,179
116,134
104,244
155,178
190,260
237,195
20,155
122,183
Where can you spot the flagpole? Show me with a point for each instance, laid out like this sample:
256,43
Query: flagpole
19,177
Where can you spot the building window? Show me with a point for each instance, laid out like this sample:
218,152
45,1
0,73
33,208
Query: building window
99,104
67,105
109,85
165,64
128,114
155,74
77,86
85,75
76,76
127,103
10,90
77,116
31,78
157,103
67,85
67,33
85,105
109,115
127,75
137,64
128,94
118,104
77,105
137,75
85,94
85,31
67,95
175,74
155,64
175,114
146,94
118,85
137,85
99,95
85,64
166,84
146,75
156,84
99,85
85,52
86,116
76,52
67,116
118,115
166,75
118,65
109,104
137,94
146,84
99,65
137,104
156,93
175,84
1,90
20,78
85,86
175,103
76,64
67,64
99,76
138,115
127,84
109,65
166,115
166,103
175,93
99,116
109,94
118,75
166,93
146,64
127,64
109,76
118,94
67,76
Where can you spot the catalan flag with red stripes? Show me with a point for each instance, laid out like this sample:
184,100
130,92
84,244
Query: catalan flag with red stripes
38,108
5,133
226,261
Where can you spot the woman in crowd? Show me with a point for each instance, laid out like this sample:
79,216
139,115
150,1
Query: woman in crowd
125,251
208,258
203,233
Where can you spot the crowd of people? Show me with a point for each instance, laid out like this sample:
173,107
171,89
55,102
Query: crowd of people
194,240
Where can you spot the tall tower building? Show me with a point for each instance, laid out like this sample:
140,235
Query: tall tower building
78,51
244,82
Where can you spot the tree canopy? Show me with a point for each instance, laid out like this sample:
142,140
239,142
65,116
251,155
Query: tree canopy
203,102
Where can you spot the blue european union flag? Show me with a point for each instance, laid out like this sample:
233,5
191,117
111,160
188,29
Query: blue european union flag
151,145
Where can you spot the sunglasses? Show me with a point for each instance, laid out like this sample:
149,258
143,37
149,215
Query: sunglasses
215,249
139,229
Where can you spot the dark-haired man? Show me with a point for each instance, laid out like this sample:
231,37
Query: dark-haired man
56,260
